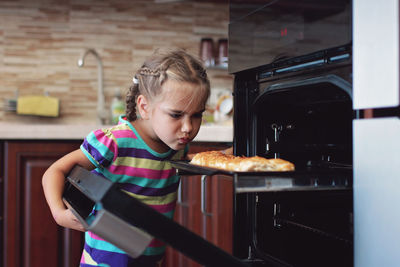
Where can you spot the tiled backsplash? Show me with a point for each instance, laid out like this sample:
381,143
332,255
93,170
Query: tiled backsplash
41,42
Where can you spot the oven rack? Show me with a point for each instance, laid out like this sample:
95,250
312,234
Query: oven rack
321,148
287,222
257,253
303,180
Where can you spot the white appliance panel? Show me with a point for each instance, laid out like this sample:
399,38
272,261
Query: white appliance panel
376,148
375,54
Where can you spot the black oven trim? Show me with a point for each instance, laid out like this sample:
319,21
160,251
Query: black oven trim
317,59
330,78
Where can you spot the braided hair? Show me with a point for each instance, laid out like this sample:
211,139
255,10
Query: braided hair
177,65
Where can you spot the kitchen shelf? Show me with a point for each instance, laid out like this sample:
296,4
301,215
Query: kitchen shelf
217,68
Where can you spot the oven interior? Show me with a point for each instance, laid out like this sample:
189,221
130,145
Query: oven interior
308,122
304,228
305,118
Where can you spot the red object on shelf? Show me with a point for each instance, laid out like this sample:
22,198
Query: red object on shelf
222,53
207,52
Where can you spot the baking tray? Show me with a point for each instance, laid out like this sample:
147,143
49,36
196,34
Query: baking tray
298,180
189,168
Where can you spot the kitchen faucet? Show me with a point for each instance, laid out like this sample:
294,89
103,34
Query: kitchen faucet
101,112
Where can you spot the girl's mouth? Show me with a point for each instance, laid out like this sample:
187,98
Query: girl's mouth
184,140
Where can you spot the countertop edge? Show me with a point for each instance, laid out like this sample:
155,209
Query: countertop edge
207,133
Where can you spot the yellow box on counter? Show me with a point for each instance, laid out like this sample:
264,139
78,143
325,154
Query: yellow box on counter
38,105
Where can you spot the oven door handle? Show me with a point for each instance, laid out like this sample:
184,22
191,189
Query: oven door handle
179,197
203,202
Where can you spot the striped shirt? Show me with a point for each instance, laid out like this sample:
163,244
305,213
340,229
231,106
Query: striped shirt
121,155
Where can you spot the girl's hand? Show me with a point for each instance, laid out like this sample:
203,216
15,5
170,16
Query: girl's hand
67,219
53,186
228,151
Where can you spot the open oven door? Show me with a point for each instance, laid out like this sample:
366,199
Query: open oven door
130,224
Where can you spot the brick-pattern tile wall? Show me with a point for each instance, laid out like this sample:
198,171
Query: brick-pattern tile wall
42,40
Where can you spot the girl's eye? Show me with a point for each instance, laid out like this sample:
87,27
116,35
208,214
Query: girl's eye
175,115
198,115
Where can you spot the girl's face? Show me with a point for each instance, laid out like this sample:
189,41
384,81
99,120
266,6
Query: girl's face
176,117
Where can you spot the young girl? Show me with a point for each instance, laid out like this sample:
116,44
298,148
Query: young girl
164,113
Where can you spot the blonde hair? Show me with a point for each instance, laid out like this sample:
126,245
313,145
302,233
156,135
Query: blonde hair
177,65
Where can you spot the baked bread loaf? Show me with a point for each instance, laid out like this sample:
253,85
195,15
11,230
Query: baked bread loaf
219,160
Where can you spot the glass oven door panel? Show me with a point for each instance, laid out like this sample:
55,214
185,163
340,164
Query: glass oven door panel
130,224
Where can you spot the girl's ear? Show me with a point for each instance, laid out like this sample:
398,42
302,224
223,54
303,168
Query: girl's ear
143,107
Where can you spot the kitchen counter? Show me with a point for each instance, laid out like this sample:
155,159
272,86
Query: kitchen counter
8,131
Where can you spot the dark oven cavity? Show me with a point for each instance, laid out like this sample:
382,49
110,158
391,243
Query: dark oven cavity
307,121
304,229
297,109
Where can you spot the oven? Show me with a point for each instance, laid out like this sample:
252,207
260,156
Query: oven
292,62
304,116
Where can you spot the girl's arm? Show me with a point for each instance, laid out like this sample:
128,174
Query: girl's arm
53,187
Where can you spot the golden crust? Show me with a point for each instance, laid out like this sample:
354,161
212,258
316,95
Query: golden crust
217,159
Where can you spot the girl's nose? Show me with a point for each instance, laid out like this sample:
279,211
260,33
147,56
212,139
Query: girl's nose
187,125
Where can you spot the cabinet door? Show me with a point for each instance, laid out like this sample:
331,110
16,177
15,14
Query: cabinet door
376,54
215,227
221,218
1,201
31,237
376,194
187,214
214,222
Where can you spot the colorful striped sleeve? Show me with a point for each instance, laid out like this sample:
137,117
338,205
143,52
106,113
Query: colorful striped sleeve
100,147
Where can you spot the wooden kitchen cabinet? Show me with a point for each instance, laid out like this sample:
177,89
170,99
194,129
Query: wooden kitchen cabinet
30,235
2,200
214,223
220,221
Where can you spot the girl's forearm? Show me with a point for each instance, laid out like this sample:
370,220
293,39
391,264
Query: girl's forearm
54,179
53,187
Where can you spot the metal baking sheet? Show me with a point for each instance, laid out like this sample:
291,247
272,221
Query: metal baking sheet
299,180
196,169
185,168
